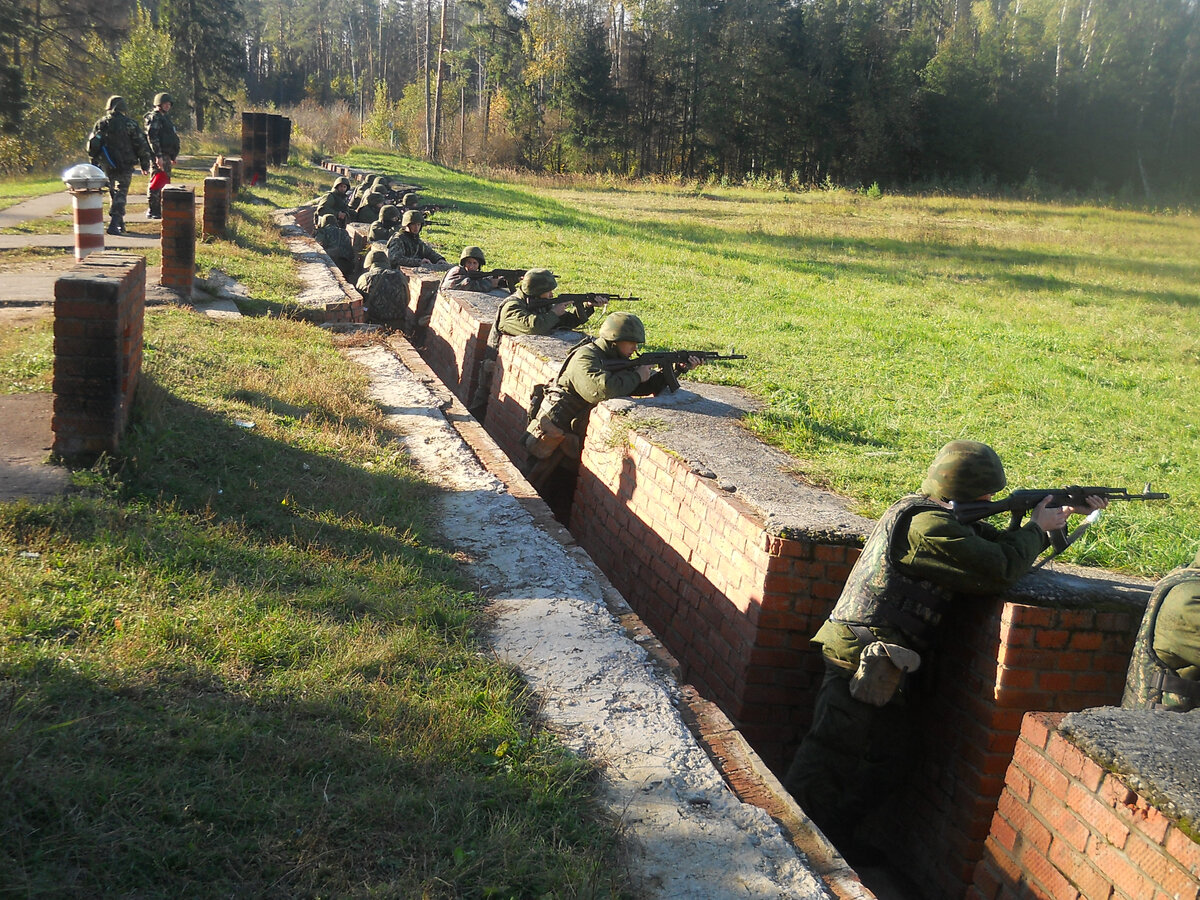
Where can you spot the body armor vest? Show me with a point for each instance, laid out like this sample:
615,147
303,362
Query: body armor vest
878,594
1151,683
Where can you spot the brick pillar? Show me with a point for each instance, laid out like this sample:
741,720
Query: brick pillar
248,146
179,238
216,206
236,172
99,307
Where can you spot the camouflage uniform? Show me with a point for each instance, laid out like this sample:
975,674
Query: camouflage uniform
116,145
1164,672
368,210
917,561
164,148
407,249
385,226
517,315
335,203
460,278
384,290
336,242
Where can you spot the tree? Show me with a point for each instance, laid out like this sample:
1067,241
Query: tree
207,36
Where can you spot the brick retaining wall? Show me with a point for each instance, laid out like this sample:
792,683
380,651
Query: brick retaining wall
1068,829
456,338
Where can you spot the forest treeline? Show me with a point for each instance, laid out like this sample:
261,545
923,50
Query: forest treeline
1093,96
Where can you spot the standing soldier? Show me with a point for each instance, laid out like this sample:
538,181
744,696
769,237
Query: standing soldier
114,145
1165,670
918,562
336,202
555,434
385,225
466,276
164,148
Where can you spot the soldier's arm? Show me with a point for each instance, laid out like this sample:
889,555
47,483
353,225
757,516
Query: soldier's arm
964,558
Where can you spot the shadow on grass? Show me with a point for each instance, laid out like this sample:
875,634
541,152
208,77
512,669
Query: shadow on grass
235,668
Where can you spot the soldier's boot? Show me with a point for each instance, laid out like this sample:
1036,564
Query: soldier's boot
154,200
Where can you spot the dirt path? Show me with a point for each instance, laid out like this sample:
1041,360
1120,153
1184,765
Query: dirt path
689,838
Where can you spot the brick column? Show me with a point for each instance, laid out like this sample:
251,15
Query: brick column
99,307
179,238
216,206
236,172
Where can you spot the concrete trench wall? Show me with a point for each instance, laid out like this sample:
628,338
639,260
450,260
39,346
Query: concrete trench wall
734,582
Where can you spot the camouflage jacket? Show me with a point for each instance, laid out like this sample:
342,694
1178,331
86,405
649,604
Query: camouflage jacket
517,315
336,242
583,382
385,292
380,233
161,134
407,249
333,203
1164,671
917,560
124,142
460,278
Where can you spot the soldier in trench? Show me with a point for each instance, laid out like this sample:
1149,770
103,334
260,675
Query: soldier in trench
1164,672
917,562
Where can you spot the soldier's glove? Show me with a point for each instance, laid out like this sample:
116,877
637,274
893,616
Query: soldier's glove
881,668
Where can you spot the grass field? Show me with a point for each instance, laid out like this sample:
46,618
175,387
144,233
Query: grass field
234,662
880,328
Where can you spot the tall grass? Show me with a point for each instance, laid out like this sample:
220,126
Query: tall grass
881,327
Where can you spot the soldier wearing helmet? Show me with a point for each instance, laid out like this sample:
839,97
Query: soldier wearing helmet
368,210
466,276
405,247
918,561
115,145
1164,672
384,289
336,202
385,226
530,308
164,148
554,437
334,239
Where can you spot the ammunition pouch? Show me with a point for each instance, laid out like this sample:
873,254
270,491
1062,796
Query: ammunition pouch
543,437
881,670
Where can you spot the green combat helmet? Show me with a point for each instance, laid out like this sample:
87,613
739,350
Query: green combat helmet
622,326
473,253
374,198
340,180
116,104
389,214
376,259
537,281
964,470
326,220
413,215
409,200
163,97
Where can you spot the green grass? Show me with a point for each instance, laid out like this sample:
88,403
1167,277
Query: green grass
232,662
25,187
27,357
880,328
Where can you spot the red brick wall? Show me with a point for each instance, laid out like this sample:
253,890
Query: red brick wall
422,296
1068,829
996,661
455,341
306,219
99,308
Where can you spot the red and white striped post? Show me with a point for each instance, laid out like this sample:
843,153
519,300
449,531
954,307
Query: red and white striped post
86,185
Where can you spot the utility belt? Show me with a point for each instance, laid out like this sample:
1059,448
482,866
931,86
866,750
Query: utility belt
1167,682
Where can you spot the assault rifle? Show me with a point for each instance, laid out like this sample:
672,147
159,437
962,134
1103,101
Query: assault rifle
669,362
510,276
1018,503
590,298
